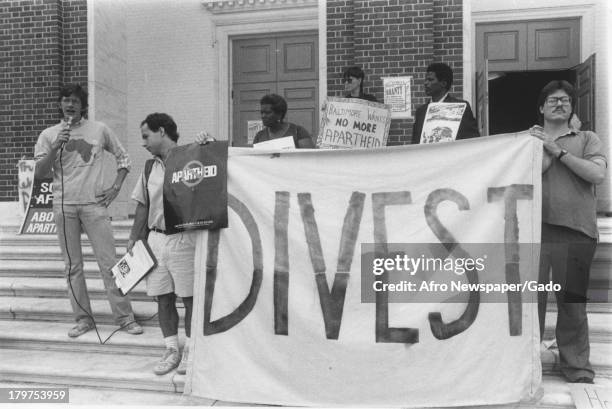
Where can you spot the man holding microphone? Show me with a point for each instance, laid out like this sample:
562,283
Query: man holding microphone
74,151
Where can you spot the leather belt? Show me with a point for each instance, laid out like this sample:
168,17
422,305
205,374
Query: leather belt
155,229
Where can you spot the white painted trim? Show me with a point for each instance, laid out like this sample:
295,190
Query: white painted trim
322,52
586,12
230,25
91,72
469,89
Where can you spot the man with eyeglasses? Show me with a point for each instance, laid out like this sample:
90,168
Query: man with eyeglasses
438,81
573,163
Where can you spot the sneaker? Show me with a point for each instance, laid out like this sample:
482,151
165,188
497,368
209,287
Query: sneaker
133,328
169,361
182,368
81,328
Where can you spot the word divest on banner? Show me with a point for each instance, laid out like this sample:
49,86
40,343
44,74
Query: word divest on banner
354,123
37,195
279,316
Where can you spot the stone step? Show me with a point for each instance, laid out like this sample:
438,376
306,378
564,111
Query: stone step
13,226
555,393
600,327
86,396
112,379
592,307
46,252
55,287
600,357
53,336
31,240
69,368
43,268
59,310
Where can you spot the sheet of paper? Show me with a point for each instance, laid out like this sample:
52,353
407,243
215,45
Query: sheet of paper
133,267
278,143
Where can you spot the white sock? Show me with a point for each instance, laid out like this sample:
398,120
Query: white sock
171,342
187,341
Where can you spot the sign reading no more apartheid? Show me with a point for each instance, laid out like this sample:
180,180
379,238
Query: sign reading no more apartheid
354,123
279,300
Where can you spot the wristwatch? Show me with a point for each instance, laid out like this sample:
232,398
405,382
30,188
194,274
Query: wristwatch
562,154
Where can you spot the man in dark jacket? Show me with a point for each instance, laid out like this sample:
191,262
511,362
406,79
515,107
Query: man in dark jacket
438,81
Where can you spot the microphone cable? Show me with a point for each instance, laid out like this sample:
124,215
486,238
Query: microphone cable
70,260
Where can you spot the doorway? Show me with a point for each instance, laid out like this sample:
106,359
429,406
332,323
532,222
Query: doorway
282,63
513,98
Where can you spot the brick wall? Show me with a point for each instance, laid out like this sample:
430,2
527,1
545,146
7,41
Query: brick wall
42,44
448,38
340,42
393,38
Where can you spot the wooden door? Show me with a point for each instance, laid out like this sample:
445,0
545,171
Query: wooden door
284,64
585,93
528,45
297,68
482,99
553,44
253,75
504,45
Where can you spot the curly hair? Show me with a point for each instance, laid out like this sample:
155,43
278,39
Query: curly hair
160,120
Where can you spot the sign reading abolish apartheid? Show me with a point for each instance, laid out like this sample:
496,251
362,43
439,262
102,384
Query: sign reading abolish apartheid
37,194
278,313
354,123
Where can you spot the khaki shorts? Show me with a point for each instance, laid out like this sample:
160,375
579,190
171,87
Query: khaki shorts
175,255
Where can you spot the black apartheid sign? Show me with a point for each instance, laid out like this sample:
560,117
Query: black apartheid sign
332,301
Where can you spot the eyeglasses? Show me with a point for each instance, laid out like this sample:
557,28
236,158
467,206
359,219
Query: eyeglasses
70,100
349,80
553,101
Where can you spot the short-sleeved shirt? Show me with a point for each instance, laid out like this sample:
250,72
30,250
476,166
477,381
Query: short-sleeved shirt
82,159
294,130
153,194
567,199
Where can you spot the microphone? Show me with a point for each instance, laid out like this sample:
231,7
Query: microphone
68,120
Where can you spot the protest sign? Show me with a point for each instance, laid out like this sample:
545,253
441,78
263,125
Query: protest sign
25,180
195,187
278,308
442,122
37,195
398,95
354,123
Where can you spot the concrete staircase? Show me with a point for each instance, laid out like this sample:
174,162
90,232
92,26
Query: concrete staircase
35,316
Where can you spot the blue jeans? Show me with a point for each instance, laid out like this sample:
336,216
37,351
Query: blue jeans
96,223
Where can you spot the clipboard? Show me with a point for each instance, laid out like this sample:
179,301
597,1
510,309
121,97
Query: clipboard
131,269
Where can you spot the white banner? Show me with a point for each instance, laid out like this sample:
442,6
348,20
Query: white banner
354,123
278,310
